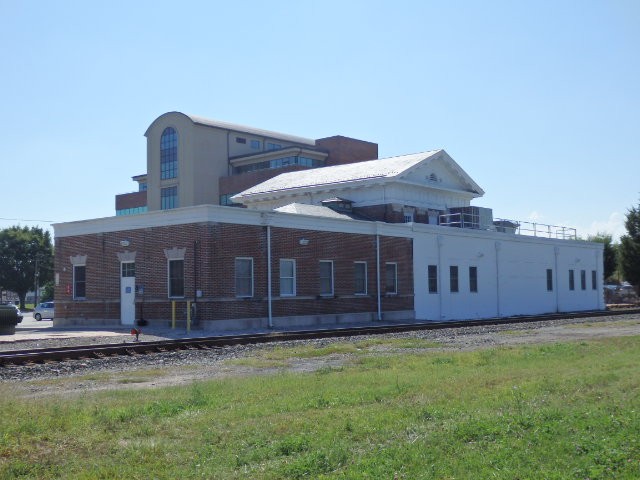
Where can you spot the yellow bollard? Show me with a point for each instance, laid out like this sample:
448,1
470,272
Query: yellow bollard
188,316
173,315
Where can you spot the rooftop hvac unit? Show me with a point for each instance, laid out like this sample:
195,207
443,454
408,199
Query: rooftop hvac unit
478,218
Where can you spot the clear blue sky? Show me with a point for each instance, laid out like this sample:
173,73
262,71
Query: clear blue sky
538,101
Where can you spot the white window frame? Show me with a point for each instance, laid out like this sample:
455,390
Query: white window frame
76,297
395,278
122,268
366,278
236,278
169,292
331,279
292,277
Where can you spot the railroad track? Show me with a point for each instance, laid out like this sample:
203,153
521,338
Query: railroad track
88,352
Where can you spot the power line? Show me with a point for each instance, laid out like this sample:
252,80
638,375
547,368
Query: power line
27,220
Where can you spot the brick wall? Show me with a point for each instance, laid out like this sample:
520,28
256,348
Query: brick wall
240,182
209,264
131,200
347,150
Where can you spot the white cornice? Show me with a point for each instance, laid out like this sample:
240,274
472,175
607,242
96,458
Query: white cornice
241,216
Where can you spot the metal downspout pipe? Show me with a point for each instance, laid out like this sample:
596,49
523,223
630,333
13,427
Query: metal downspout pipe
440,286
270,319
378,276
556,254
498,245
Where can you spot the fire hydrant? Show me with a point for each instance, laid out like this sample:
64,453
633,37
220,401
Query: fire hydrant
136,332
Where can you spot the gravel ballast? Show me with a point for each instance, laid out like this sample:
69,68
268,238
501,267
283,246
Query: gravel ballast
179,367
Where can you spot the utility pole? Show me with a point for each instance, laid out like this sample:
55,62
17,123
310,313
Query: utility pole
37,274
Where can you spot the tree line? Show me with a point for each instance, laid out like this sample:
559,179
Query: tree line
26,260
622,259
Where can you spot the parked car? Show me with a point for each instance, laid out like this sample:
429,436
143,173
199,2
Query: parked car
17,309
19,313
43,310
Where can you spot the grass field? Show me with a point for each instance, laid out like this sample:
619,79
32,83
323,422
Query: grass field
554,411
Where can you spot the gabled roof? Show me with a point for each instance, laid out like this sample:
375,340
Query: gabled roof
384,169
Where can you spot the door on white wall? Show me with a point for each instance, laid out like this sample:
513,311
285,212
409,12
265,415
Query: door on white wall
127,293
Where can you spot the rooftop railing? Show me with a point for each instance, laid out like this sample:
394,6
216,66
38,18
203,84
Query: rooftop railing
517,227
537,229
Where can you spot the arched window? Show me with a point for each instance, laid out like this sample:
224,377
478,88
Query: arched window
169,154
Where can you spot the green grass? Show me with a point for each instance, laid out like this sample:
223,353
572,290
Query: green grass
567,410
280,357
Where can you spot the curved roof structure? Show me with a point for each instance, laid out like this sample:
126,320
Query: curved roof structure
238,128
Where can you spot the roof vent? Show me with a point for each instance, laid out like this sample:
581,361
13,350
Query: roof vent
338,204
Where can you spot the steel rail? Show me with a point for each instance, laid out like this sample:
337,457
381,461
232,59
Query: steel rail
95,351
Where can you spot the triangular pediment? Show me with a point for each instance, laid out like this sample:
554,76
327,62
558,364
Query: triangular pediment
441,172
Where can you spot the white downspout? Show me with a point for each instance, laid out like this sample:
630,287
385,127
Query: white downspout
440,286
378,276
270,321
556,251
600,279
497,280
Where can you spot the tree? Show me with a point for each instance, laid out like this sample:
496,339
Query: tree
47,291
609,254
630,247
25,253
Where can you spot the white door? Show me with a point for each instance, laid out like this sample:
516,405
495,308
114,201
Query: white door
128,293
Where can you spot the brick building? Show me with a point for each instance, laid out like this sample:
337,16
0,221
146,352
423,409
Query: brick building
329,234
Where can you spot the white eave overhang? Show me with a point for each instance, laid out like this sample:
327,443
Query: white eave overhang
275,154
301,191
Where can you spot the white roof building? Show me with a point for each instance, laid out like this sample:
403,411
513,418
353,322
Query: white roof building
428,180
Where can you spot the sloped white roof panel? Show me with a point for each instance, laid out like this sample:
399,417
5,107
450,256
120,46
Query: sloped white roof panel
340,174
315,210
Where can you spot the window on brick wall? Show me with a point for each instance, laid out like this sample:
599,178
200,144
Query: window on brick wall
583,279
360,278
128,269
391,279
176,278
594,280
453,278
287,277
326,277
432,278
244,277
549,280
79,281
